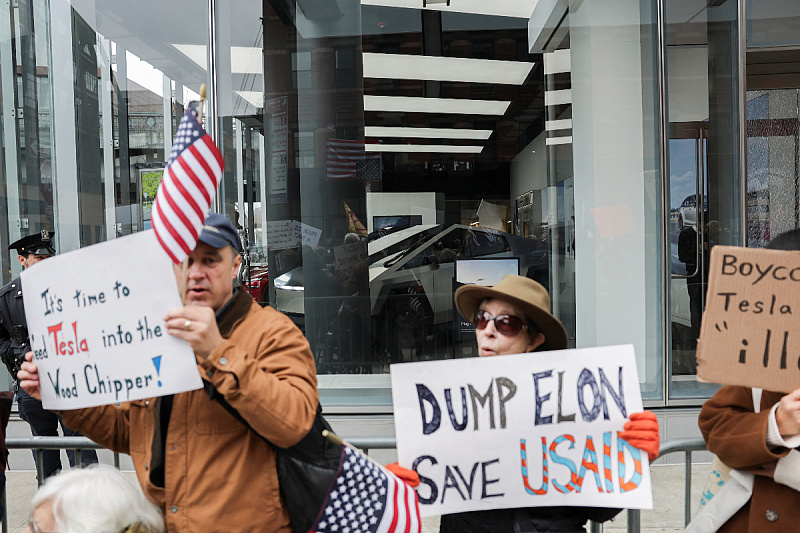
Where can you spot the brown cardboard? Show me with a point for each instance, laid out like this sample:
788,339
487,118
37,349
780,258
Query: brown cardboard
750,333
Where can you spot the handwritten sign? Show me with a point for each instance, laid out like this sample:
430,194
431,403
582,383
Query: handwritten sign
305,234
280,235
523,430
749,334
95,320
277,108
347,255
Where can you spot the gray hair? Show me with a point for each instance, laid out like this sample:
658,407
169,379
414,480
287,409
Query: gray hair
97,499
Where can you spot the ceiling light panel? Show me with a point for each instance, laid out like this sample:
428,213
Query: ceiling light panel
426,133
244,59
551,141
502,8
562,124
414,104
456,69
560,97
423,148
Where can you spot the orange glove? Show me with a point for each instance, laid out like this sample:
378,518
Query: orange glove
409,476
642,432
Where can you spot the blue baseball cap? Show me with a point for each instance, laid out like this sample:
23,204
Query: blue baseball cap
219,232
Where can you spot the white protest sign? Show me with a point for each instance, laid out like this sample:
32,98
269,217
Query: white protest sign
307,235
95,321
280,235
529,430
347,255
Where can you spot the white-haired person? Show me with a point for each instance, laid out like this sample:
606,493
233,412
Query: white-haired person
510,318
97,499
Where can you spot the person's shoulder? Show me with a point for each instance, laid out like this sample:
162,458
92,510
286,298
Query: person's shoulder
10,286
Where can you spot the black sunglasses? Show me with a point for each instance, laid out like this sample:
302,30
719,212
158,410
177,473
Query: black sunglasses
508,325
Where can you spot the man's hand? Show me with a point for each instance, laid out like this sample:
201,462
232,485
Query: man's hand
29,377
197,325
642,432
787,415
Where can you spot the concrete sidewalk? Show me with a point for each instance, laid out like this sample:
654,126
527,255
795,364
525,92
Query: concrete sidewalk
666,515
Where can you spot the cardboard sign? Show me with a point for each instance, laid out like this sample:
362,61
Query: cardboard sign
347,255
95,323
749,333
526,430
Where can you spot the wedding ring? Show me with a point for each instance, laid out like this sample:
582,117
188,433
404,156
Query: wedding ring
187,324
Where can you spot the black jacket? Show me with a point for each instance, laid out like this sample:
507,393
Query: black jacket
13,326
526,520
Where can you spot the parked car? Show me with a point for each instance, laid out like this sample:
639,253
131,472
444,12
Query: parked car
258,282
419,261
687,212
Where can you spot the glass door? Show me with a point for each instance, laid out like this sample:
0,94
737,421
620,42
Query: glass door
703,184
691,235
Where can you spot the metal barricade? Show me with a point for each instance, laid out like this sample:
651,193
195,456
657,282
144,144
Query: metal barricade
40,444
670,446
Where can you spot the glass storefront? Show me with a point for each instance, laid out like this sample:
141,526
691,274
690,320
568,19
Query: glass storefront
379,153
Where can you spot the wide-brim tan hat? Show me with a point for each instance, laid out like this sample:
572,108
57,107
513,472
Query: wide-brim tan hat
525,294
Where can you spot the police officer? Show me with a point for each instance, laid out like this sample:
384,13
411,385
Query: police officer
14,344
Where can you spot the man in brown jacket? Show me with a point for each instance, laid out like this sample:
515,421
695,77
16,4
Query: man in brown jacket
203,467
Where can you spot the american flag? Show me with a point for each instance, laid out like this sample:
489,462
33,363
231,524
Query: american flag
190,182
348,160
415,289
367,498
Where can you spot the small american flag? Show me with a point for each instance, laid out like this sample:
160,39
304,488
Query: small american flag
415,289
367,498
190,182
348,160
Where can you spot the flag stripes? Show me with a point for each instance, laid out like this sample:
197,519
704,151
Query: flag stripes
190,182
343,157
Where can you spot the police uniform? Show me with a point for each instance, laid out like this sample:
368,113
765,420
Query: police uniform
14,345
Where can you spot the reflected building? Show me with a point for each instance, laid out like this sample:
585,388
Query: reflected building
371,147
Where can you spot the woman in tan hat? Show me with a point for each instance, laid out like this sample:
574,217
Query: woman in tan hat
514,317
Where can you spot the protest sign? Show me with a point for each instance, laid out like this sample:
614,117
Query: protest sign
529,430
95,324
749,331
347,255
305,234
281,235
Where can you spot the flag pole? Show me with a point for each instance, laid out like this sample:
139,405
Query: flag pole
336,439
200,107
185,263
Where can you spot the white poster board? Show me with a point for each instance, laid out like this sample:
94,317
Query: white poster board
95,321
281,235
305,234
525,430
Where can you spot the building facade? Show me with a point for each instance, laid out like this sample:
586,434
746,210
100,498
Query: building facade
572,141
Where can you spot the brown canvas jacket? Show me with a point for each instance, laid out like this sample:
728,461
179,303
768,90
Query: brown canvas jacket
219,475
739,438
